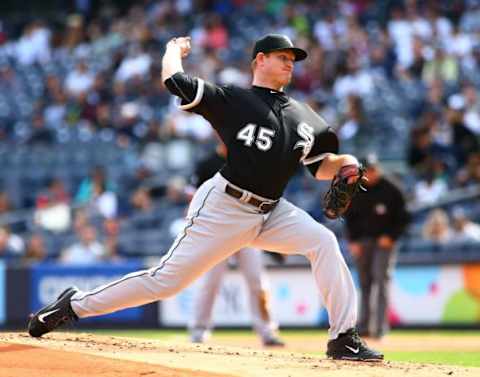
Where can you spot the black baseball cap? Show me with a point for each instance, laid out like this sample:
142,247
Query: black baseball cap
276,42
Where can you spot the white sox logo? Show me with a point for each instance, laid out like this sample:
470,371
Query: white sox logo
306,133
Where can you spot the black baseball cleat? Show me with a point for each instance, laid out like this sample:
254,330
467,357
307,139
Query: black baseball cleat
54,315
273,342
349,346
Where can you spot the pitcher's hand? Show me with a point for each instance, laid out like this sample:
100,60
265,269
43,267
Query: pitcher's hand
183,43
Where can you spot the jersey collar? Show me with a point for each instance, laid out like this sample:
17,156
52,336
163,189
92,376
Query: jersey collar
271,93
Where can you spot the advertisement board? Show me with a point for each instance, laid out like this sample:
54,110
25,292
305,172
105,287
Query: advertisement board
294,300
436,295
420,295
3,296
49,280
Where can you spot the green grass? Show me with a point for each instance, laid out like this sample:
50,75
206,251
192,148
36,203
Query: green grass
313,333
465,358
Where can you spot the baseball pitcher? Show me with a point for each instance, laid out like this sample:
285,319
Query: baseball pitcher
268,134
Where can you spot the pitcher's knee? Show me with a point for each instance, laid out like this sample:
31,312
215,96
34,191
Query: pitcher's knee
331,238
328,241
325,243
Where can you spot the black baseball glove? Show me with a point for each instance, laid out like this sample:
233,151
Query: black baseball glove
346,183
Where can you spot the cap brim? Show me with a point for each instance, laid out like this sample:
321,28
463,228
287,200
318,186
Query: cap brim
298,52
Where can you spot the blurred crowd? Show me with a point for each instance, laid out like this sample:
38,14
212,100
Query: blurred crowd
93,148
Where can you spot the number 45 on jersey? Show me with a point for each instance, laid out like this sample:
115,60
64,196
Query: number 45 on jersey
263,141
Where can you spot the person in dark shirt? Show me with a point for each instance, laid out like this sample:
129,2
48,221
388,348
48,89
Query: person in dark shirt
464,141
374,222
40,134
211,164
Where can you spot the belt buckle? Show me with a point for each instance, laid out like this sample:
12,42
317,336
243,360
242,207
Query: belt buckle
265,210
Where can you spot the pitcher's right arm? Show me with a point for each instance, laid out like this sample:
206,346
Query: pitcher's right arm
176,50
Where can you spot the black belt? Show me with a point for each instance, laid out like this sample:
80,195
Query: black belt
263,206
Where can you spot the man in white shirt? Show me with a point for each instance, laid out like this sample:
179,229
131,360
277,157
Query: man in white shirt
80,80
464,230
87,251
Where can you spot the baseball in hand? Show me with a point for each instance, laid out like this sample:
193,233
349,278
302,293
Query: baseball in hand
184,44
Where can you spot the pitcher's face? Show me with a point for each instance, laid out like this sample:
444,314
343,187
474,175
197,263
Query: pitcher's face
279,66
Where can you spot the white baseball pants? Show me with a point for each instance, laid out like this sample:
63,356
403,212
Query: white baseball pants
217,226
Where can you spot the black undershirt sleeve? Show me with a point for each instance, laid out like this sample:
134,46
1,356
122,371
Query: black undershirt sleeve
325,142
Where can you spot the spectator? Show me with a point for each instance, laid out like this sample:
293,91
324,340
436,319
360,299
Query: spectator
401,32
418,61
86,191
103,202
184,124
472,108
432,186
55,113
459,43
355,80
54,193
441,25
356,126
74,33
469,175
442,66
470,19
463,140
3,34
382,55
34,44
215,35
87,250
330,31
113,249
80,80
434,101
36,250
423,150
437,227
471,65
145,214
141,175
40,135
12,246
421,28
136,64
80,220
5,204
464,229
6,207
52,207
374,223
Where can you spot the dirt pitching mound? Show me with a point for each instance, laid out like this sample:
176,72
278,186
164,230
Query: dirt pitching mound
78,354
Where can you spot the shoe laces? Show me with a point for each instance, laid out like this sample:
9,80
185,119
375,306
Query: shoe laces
356,339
